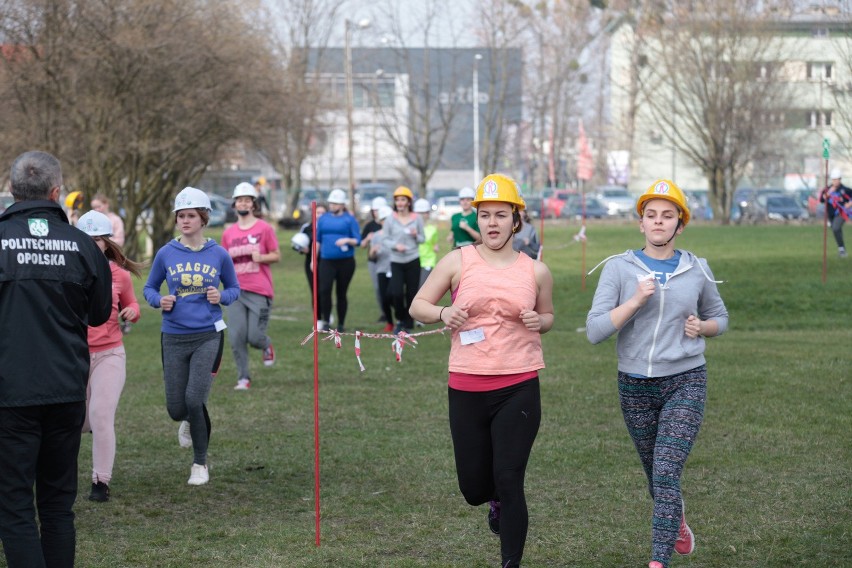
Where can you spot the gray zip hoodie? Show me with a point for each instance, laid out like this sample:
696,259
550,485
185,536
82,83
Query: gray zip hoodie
653,343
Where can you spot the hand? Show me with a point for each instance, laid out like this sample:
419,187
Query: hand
531,320
128,314
213,295
255,256
454,316
463,224
692,327
342,242
168,302
400,247
644,290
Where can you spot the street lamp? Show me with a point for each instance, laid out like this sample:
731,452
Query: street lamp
347,53
476,59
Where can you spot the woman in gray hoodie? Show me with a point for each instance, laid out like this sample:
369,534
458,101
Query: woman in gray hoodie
661,302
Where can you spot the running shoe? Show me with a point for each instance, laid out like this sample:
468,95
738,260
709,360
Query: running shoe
494,516
243,384
100,492
198,475
685,542
184,436
269,356
655,564
388,328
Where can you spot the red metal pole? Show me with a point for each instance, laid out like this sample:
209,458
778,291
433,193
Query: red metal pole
315,266
825,228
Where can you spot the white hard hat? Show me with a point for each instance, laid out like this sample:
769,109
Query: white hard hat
337,196
192,198
245,189
95,224
836,173
467,193
384,212
422,206
378,202
300,241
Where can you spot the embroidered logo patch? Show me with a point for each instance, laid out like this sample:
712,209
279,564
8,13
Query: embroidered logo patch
38,227
489,190
661,187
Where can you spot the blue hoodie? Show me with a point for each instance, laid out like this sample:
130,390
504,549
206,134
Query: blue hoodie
187,274
653,342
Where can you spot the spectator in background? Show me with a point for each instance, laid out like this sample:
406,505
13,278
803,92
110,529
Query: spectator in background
464,229
108,370
253,246
74,206
402,235
337,236
47,302
838,199
367,233
100,203
302,245
526,238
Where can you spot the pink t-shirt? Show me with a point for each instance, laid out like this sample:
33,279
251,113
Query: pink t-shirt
240,243
494,342
108,335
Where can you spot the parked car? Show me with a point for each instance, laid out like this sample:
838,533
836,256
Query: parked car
6,199
618,201
779,207
446,207
554,201
573,208
533,204
222,212
699,204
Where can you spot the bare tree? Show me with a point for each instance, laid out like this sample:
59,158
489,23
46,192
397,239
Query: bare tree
421,136
713,85
135,96
294,123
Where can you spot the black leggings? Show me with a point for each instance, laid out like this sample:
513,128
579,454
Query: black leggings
404,283
493,433
333,271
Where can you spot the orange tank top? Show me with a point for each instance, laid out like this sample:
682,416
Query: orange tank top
494,298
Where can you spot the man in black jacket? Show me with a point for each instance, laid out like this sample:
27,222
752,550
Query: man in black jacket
54,283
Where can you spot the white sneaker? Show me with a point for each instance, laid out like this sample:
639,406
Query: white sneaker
198,475
184,437
243,384
322,325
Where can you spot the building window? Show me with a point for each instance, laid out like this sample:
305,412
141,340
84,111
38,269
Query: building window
817,118
820,71
819,32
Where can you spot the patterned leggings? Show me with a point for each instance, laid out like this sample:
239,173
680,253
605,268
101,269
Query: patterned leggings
663,415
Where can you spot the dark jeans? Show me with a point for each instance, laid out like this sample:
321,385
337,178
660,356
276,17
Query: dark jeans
39,445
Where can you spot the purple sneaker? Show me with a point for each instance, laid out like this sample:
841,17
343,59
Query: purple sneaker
494,516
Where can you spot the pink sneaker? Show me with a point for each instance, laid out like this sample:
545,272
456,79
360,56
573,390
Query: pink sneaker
269,356
655,564
685,542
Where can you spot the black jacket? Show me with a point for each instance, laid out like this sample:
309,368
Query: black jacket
845,197
54,283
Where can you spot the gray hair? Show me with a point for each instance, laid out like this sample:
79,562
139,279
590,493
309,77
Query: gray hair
34,174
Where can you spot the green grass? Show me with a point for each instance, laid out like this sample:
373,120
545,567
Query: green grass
767,484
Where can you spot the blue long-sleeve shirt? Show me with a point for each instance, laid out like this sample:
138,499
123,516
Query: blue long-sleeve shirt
188,274
331,227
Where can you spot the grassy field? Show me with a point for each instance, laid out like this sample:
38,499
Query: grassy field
767,485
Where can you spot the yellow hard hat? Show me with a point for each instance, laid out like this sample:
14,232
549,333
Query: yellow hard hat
499,187
404,192
668,190
261,180
72,198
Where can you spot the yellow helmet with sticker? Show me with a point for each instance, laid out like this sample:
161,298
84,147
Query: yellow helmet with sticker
498,187
668,190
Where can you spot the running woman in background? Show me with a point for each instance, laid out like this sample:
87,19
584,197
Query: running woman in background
253,246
